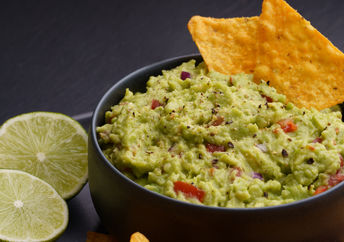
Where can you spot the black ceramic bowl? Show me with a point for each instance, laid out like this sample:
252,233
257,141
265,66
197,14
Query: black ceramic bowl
125,207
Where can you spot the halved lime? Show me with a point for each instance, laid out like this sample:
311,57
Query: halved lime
30,209
50,146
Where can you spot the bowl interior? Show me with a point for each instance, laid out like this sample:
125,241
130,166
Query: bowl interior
136,82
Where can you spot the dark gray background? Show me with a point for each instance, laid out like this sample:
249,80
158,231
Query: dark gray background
62,56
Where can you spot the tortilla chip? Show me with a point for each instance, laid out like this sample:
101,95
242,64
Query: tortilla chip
298,60
138,237
226,45
99,237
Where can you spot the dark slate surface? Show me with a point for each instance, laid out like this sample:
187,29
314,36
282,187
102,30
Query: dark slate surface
62,56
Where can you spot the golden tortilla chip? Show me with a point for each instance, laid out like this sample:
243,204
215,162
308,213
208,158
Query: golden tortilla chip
138,237
99,237
298,60
226,45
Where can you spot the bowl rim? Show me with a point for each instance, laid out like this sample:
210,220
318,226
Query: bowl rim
299,203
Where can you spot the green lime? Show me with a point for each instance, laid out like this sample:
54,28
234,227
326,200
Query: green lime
30,209
50,146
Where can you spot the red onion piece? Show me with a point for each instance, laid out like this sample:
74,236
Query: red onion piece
184,75
257,175
262,147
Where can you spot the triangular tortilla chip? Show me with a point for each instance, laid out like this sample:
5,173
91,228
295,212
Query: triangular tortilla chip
226,45
298,60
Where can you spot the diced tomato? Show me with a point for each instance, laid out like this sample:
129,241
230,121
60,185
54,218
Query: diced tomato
317,140
337,130
218,121
239,171
287,125
127,170
310,147
335,179
268,99
189,190
155,104
215,148
320,190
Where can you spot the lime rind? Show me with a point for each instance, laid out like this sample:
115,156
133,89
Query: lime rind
24,116
56,139
31,209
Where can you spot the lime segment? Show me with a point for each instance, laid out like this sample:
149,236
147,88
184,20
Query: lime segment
50,146
30,209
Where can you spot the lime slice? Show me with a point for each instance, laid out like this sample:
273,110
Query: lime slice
50,146
30,209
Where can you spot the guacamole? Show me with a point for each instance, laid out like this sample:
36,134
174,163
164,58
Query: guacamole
222,140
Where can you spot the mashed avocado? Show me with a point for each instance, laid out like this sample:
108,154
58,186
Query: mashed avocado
222,140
